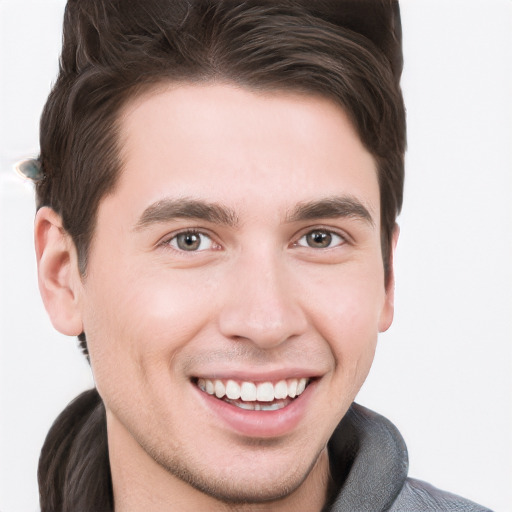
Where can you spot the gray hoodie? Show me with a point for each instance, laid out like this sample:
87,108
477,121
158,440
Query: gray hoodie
369,458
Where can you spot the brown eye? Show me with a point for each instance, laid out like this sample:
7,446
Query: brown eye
191,241
320,239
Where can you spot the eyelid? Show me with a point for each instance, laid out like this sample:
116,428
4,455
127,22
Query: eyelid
168,238
322,227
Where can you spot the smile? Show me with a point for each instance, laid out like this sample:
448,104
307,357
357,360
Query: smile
261,396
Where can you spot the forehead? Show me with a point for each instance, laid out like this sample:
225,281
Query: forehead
232,145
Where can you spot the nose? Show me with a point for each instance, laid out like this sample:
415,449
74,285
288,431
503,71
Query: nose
261,302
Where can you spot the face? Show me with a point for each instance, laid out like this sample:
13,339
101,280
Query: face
235,286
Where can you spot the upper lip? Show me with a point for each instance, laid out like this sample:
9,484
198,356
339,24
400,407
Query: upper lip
259,376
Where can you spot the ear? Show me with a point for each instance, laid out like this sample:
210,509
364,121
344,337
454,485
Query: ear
58,274
386,317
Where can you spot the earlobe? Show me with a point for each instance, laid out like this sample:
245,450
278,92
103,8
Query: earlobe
58,275
386,317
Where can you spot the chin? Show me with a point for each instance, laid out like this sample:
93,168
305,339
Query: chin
255,483
253,489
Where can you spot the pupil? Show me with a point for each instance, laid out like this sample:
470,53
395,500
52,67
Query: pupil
188,241
319,239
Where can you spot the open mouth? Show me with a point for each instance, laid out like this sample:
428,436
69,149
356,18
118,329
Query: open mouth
255,396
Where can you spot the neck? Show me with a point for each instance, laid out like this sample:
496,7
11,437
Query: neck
141,483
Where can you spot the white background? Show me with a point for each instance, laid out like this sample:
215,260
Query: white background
443,373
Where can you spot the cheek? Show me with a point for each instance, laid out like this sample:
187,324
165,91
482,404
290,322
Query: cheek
136,328
346,314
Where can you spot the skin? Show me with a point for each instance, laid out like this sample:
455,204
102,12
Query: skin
255,298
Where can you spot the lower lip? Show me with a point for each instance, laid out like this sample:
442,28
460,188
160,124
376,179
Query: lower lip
262,424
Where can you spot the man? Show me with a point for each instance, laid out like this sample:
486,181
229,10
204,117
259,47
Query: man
217,198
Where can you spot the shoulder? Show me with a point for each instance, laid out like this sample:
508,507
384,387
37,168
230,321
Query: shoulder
418,496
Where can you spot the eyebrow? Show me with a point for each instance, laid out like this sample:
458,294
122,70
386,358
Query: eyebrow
185,208
331,207
168,209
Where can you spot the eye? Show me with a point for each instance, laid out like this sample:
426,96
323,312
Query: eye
320,239
191,241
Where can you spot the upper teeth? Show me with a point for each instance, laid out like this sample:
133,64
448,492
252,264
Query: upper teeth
251,391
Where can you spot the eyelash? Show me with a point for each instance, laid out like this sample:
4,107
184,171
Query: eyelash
326,231
168,242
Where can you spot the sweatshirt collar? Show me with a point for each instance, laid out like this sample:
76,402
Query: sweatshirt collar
369,462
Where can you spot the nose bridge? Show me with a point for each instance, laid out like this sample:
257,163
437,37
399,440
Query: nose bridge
261,305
